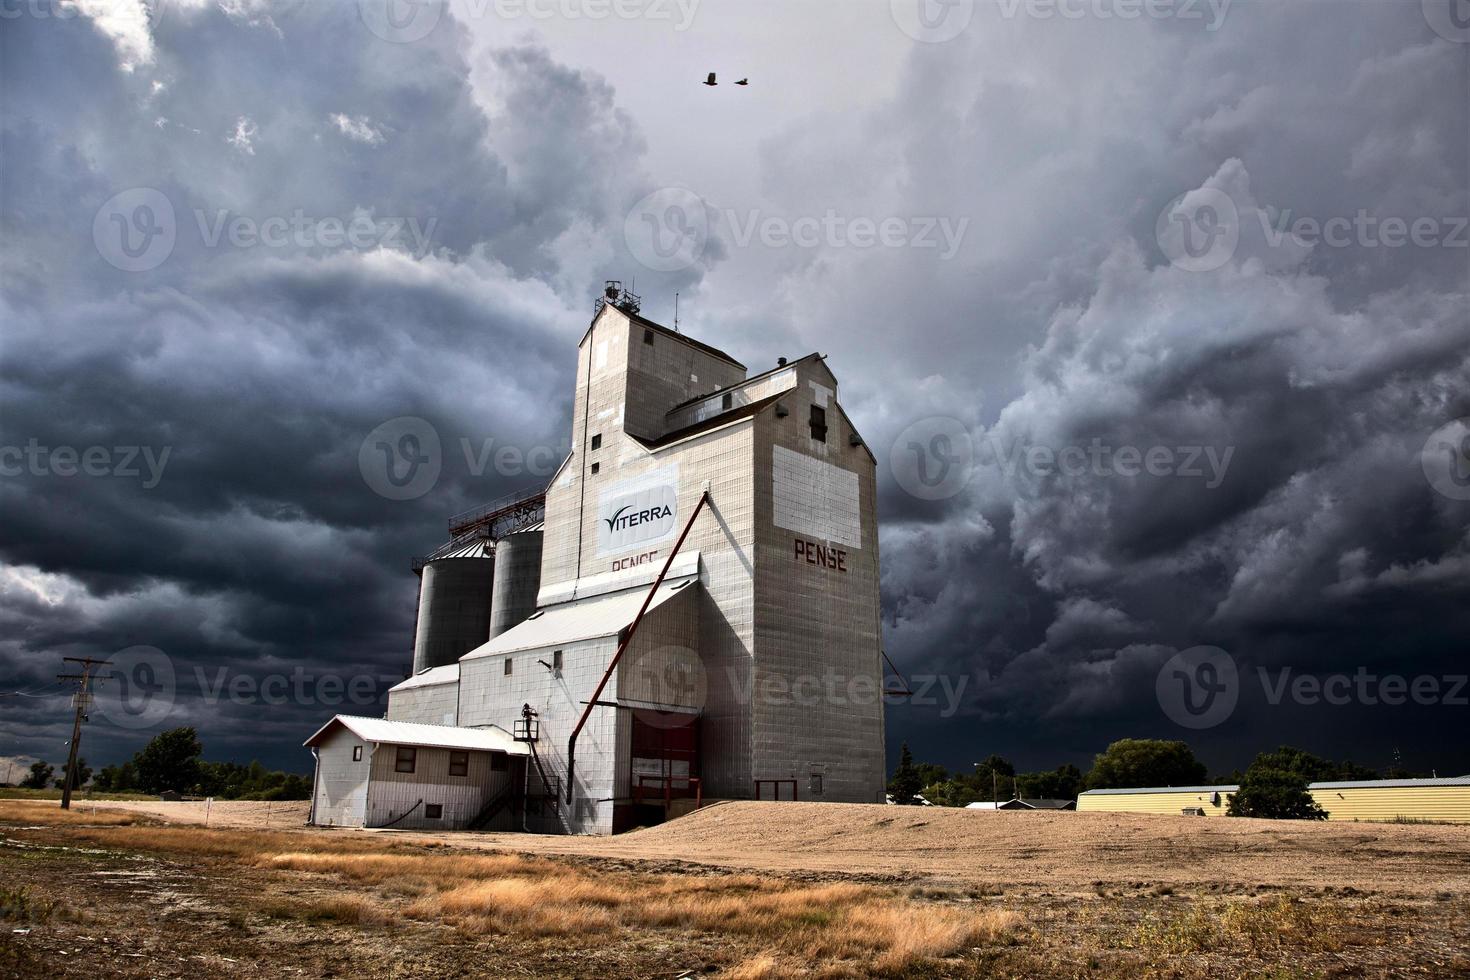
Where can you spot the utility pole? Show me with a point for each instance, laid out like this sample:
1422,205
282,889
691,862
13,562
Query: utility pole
82,700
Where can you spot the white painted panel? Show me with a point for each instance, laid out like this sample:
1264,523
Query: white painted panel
814,498
638,512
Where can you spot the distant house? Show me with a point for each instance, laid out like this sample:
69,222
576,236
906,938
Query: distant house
1020,804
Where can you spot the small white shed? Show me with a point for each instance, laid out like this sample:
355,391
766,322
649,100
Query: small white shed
371,772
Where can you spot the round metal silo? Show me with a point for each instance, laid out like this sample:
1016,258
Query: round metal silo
454,609
517,579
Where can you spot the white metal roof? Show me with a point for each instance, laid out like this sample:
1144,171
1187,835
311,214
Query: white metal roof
580,619
490,739
447,674
1394,783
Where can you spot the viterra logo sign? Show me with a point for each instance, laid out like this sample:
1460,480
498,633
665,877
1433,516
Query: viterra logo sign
638,512
628,517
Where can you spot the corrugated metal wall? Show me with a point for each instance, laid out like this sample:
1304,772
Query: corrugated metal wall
1444,803
517,580
454,610
1166,802
1450,804
429,704
392,793
341,784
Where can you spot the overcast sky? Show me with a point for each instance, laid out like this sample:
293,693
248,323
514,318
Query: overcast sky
1154,314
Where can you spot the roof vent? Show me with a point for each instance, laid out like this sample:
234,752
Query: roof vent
780,362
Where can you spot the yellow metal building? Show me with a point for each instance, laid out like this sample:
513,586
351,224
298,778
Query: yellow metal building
1438,800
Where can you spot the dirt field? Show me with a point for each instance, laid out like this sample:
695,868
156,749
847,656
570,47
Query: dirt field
736,890
970,847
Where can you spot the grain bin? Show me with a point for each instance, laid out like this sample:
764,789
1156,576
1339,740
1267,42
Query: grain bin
454,606
517,579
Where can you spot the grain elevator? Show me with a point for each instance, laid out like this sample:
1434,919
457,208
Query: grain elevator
688,612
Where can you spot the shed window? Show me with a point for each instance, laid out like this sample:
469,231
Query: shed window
819,423
727,400
357,753
556,659
459,763
499,762
595,468
406,760
433,811
508,662
597,441
648,336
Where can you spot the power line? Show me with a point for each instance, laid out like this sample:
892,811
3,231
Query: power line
31,694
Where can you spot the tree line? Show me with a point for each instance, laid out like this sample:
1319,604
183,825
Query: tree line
1273,785
173,762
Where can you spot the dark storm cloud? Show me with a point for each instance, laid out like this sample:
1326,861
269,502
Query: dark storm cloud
1321,368
1314,372
249,370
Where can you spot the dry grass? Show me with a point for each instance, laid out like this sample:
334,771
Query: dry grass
825,924
379,867
535,897
1278,923
48,813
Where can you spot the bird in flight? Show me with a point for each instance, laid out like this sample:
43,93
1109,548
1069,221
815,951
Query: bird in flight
743,81
711,79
